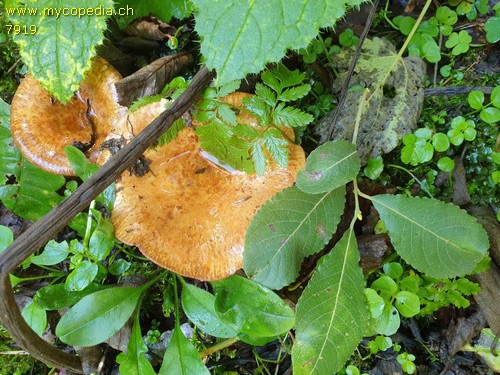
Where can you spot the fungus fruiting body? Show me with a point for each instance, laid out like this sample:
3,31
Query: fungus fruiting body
42,126
190,215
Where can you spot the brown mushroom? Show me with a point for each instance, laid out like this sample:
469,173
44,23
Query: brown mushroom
190,215
42,126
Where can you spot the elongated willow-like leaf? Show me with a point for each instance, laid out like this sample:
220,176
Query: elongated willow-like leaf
331,165
437,238
286,229
332,315
25,189
182,357
98,316
59,39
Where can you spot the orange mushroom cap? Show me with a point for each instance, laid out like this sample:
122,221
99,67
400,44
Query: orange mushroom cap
42,126
188,214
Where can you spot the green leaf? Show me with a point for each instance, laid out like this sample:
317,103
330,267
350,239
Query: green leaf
60,52
328,167
286,229
262,315
36,317
228,31
332,316
388,322
276,145
6,237
199,307
55,297
294,93
102,239
4,114
375,303
476,99
134,361
492,28
490,115
495,97
98,316
374,167
436,238
53,253
83,274
119,266
440,142
182,357
172,132
407,303
79,163
446,164
291,116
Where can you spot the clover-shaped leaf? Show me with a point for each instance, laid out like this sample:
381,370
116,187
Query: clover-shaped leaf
459,42
476,99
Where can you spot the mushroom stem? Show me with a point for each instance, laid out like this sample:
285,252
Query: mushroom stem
46,228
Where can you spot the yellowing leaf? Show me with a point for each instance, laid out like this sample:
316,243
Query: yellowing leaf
238,38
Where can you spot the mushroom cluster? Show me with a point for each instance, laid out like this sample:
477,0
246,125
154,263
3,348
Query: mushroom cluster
42,126
187,213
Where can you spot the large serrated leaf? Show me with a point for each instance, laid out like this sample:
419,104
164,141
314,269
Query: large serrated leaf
329,166
238,38
392,106
332,316
59,53
25,189
286,229
436,238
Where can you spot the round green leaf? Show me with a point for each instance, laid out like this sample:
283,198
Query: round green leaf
410,283
385,285
490,115
436,238
98,316
492,28
408,304
374,167
83,274
388,322
476,99
393,269
251,308
440,142
375,303
119,266
53,253
199,307
328,167
495,97
446,164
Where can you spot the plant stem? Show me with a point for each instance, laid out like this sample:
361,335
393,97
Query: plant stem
414,177
219,346
407,41
86,238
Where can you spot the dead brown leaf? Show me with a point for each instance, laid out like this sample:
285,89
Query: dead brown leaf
150,28
151,79
460,194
